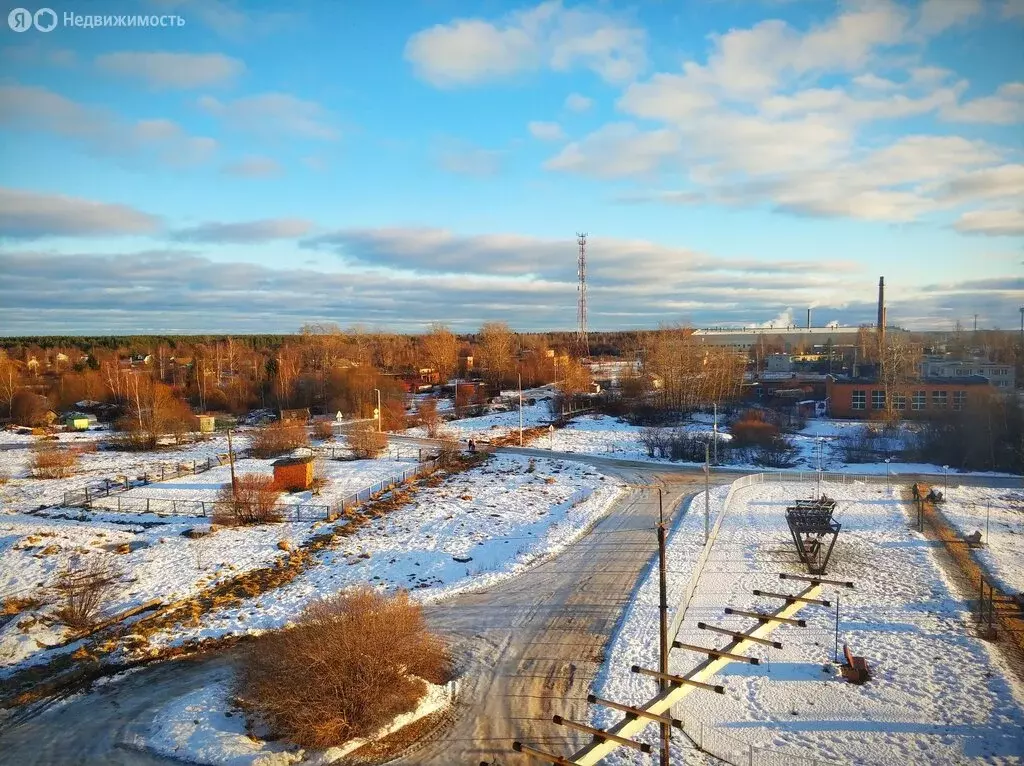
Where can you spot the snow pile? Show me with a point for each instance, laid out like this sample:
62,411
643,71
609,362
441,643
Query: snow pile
206,727
937,694
968,509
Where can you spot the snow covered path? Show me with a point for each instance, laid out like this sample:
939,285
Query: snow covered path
937,694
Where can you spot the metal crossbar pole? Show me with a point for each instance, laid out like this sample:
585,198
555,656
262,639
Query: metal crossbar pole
740,636
815,580
789,598
595,752
767,617
601,734
672,679
635,711
533,752
716,653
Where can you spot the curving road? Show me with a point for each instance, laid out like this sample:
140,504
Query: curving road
527,648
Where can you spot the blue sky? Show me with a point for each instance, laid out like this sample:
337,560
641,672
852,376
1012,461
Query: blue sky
392,164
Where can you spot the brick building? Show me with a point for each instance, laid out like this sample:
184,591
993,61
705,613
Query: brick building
864,398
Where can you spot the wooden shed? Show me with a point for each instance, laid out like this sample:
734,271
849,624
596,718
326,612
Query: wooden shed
207,423
300,415
293,473
76,422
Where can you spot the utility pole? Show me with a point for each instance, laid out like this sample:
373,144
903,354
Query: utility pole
707,496
975,323
520,409
716,433
231,462
666,729
377,411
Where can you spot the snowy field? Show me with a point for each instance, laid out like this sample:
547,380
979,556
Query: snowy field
494,425
937,695
475,529
966,509
24,493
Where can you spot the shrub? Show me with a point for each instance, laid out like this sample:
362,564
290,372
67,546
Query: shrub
426,411
253,502
778,453
366,441
350,665
277,438
4,478
752,430
450,450
52,463
324,429
81,590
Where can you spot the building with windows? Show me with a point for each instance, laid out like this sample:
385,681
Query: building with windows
1001,374
864,398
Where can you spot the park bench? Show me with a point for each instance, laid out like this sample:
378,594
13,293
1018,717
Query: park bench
856,668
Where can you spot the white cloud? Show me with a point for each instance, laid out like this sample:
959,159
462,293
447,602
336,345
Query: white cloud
617,150
41,110
30,215
273,114
173,70
575,102
246,232
473,51
1007,222
1003,181
546,131
253,167
1005,107
936,16
39,54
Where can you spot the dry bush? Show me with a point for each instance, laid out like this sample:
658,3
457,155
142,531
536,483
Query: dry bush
12,605
278,438
324,430
426,411
52,463
253,502
4,478
81,590
350,665
752,430
366,441
450,450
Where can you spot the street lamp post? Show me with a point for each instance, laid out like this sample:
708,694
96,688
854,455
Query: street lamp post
887,474
520,409
377,411
945,479
821,442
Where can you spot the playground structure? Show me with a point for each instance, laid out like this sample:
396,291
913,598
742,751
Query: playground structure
811,525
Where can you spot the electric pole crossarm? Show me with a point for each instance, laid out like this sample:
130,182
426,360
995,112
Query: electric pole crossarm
767,617
601,735
789,598
816,580
679,680
635,712
739,636
716,653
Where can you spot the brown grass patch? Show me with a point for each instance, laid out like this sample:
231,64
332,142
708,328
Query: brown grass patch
324,429
18,604
361,657
51,463
366,441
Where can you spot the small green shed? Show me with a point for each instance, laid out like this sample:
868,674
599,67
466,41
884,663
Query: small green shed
76,422
207,423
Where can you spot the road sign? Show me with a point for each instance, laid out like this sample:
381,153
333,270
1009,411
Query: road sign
376,412
551,428
339,417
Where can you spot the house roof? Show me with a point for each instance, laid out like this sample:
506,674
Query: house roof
964,380
292,461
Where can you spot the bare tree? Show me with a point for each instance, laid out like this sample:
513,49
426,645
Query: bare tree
82,589
426,411
441,350
498,348
10,382
366,441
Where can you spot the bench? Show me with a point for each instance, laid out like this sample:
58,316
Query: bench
856,668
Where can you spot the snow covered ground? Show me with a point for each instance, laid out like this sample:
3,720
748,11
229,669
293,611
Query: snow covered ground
966,508
937,694
478,527
494,425
24,493
206,727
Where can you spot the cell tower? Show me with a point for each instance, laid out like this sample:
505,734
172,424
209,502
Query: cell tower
582,342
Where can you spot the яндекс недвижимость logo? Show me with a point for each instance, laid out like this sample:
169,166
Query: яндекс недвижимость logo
22,19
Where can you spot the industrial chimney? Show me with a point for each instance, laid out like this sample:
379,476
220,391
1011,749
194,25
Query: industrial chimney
881,323
808,319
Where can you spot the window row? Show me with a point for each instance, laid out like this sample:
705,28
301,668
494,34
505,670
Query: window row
918,400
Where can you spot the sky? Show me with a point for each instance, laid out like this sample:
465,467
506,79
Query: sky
250,167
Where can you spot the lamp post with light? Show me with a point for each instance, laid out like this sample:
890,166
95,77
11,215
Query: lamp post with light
887,473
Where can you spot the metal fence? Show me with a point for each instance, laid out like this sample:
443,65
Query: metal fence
168,506
82,498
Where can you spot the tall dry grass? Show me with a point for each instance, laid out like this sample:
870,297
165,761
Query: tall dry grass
350,665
